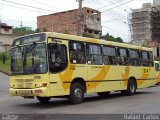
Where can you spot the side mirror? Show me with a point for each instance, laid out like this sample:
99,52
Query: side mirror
156,67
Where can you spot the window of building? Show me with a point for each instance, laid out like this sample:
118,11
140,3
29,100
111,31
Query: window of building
77,52
123,57
96,32
6,29
94,54
109,55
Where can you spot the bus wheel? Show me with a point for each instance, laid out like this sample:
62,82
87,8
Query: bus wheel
103,94
131,88
76,93
44,99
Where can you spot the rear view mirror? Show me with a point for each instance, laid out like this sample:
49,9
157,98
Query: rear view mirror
157,67
3,58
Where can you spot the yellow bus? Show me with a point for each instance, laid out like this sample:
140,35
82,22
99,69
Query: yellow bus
157,68
46,65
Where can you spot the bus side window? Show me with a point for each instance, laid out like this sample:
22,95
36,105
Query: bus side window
123,57
134,57
77,52
109,55
151,59
157,67
94,54
147,59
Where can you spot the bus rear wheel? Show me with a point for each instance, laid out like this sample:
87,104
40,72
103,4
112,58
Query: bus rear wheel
43,99
103,94
131,88
76,93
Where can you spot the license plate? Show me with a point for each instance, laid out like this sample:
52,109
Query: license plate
24,92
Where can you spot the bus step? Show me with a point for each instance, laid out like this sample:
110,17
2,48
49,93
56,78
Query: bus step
28,97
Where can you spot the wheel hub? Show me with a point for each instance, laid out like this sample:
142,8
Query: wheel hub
78,93
132,88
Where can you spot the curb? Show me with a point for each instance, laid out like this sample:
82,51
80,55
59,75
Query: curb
5,73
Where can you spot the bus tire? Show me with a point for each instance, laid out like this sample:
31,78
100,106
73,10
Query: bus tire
76,93
131,88
43,99
103,94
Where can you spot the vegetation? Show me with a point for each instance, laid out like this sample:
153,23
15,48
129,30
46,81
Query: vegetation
5,67
112,38
88,35
22,31
107,37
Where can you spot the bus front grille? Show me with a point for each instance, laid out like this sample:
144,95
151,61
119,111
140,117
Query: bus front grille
24,83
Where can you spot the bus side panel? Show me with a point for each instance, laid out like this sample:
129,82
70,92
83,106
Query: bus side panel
112,82
95,78
147,77
61,82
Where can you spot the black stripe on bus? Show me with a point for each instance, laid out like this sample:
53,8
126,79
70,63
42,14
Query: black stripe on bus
110,80
147,79
53,82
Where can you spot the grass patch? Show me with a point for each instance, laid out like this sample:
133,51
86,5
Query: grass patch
5,67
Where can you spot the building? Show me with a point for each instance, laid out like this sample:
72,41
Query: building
68,22
5,29
6,37
145,25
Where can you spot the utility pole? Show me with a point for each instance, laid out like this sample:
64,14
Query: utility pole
21,27
0,26
80,18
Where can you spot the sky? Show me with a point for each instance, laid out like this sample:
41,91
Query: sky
115,13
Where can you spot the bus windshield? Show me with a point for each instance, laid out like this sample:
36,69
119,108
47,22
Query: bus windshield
29,59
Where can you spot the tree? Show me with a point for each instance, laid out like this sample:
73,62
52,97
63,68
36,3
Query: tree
109,37
118,39
37,30
88,35
22,31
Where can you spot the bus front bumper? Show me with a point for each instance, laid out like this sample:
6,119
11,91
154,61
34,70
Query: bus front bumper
29,92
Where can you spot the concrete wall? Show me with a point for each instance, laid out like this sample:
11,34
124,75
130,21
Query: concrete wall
156,2
6,42
3,31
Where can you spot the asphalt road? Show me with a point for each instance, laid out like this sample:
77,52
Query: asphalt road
145,101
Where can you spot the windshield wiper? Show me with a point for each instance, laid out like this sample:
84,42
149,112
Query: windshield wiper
31,47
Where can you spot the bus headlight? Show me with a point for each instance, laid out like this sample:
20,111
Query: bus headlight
43,84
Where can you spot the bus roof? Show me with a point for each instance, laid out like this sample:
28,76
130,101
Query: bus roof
90,40
94,40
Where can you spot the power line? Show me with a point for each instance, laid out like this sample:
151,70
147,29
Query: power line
110,4
90,1
115,31
42,3
18,7
28,6
117,6
113,11
123,8
111,20
110,28
111,15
